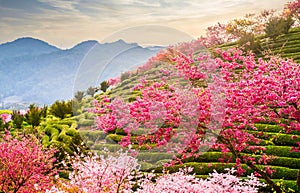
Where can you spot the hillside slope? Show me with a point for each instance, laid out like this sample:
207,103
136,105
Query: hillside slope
277,144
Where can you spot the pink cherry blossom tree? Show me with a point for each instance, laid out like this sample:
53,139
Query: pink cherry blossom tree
25,166
183,182
4,121
97,174
263,90
292,9
120,173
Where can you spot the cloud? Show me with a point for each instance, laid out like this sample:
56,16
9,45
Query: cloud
69,21
62,4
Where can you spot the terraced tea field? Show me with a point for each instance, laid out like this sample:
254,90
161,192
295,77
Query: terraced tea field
277,143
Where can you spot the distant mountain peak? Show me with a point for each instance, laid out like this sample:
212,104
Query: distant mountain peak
25,46
24,41
34,71
28,39
85,45
122,42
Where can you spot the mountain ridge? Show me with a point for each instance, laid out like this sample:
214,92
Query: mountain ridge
33,71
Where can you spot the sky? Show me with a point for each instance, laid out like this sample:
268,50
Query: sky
65,23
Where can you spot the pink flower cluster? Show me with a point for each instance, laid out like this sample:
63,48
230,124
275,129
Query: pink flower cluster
263,90
25,166
183,182
158,110
99,174
6,117
113,81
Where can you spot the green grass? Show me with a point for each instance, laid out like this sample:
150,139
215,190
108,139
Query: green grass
5,112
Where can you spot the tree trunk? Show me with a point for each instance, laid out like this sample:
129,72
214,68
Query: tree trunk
263,174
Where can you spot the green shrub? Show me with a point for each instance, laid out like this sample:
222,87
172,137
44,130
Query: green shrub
268,127
120,132
17,119
85,122
249,42
206,168
206,157
71,132
45,140
92,135
284,173
64,138
34,115
138,132
162,162
277,26
125,76
202,176
5,111
154,156
143,147
61,109
89,143
199,168
79,96
289,186
280,151
277,161
109,147
286,162
68,122
146,165
49,130
113,138
89,115
277,138
104,86
286,139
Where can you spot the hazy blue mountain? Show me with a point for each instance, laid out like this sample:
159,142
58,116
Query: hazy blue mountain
34,71
25,46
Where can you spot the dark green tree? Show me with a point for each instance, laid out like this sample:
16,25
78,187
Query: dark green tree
79,96
76,107
104,86
278,26
17,119
91,91
249,42
125,76
61,109
44,111
34,116
2,125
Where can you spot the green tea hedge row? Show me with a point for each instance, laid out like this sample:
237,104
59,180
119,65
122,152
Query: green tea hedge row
89,135
154,157
280,151
85,122
277,138
273,128
276,161
206,168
